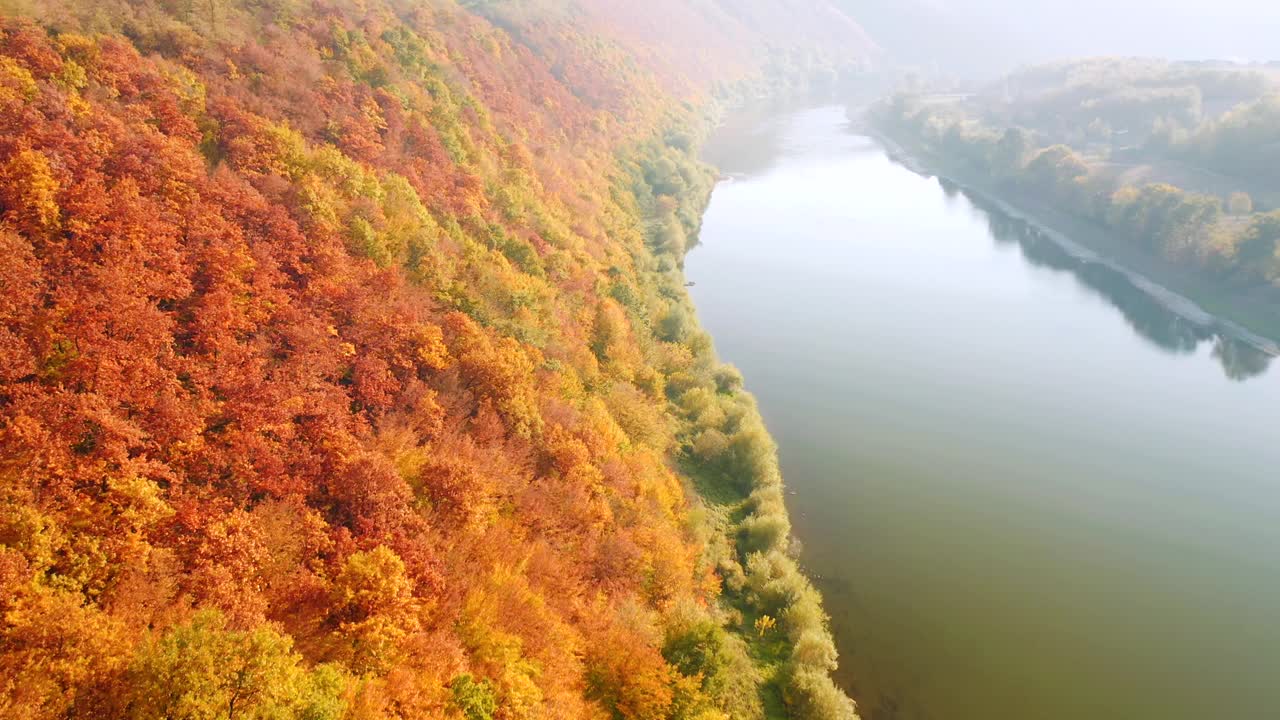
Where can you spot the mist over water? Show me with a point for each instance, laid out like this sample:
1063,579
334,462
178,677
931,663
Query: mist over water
1026,489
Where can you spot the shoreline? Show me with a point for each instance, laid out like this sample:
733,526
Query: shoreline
1174,301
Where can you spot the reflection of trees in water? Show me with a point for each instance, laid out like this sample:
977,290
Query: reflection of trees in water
1149,319
950,191
891,695
1240,361
748,144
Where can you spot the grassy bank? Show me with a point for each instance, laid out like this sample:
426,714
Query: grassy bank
772,614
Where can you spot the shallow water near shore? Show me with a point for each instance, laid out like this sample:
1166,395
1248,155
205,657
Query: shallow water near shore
1026,488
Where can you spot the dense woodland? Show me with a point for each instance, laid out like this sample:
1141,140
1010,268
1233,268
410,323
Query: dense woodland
1177,159
347,370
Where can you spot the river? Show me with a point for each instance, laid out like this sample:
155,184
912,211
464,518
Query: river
1026,490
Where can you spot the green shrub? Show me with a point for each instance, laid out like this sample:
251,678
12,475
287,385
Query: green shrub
811,695
699,647
476,699
761,533
814,649
728,379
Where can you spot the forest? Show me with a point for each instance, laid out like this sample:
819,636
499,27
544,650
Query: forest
347,369
1177,159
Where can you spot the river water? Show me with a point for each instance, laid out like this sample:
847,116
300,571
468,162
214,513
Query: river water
1025,489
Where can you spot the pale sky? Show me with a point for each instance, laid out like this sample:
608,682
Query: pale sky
996,35
1185,29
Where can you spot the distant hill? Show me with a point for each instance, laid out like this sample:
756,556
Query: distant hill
689,44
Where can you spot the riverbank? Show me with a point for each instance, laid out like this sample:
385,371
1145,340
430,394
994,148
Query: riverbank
1184,292
777,652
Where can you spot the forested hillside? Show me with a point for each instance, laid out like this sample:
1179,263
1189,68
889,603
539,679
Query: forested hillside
347,371
1176,160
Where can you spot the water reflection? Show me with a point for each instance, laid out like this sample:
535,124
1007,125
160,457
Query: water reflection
747,144
1239,360
1148,318
752,141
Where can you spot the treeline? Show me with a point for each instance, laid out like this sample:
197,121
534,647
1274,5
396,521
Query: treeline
1120,101
1244,141
1218,116
345,368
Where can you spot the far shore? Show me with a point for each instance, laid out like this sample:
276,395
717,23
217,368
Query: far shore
1173,288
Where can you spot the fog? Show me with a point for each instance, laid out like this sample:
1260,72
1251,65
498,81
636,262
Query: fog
986,37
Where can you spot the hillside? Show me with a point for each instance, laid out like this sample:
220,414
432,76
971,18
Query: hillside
347,371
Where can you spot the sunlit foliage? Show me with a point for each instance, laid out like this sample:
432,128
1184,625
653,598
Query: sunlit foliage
346,365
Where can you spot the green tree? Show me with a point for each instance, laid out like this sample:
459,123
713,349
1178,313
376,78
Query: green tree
203,671
1055,168
1011,151
475,698
1258,249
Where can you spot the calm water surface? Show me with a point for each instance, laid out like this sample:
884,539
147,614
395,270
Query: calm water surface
1027,491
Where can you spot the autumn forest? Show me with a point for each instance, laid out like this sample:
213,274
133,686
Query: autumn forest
347,370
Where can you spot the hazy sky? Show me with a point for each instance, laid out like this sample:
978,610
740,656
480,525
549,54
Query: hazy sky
1188,29
994,35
